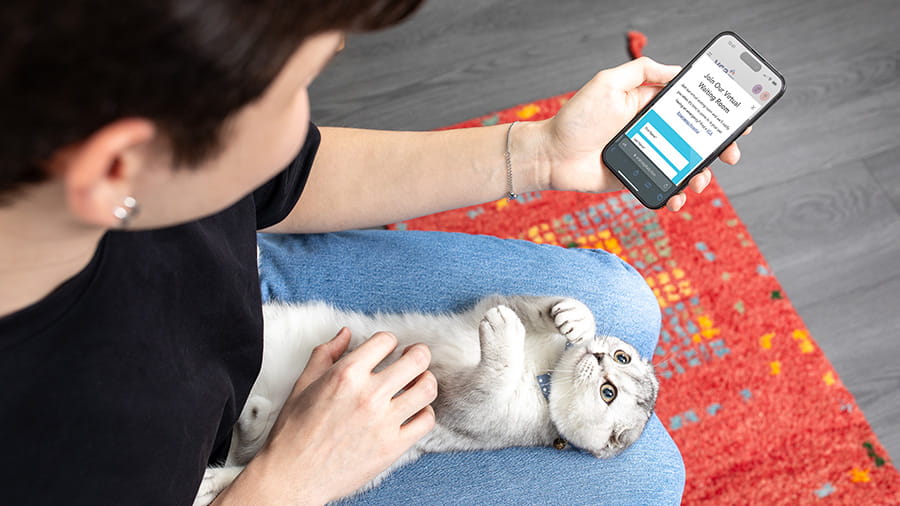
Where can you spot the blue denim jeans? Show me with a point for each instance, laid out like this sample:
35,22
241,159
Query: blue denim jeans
379,270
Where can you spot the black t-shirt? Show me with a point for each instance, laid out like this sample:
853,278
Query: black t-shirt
124,383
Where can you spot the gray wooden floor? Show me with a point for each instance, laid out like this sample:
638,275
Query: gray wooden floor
819,185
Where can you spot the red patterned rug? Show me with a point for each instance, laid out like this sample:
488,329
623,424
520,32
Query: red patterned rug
752,402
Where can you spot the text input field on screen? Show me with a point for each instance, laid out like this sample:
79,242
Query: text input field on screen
668,150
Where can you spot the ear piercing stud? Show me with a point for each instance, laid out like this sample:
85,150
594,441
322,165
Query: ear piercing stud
126,212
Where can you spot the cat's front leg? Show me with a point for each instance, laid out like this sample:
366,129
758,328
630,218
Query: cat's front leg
215,480
573,320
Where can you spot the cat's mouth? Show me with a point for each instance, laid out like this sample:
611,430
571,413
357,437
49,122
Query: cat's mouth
588,366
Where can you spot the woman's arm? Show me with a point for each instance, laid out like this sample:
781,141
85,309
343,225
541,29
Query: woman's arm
364,178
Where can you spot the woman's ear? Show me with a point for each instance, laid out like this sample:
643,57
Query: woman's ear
99,172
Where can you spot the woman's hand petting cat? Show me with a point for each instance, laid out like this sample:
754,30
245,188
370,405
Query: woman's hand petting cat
342,424
575,137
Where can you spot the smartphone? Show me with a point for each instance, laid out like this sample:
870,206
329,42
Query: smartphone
721,92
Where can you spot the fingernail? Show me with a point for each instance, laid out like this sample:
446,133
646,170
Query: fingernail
411,346
387,335
702,181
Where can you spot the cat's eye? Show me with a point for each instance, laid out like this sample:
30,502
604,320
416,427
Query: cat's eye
622,357
608,392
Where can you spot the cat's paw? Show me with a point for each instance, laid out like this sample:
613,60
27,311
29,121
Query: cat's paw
573,320
501,325
215,480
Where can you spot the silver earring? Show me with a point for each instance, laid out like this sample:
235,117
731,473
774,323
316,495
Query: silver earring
126,212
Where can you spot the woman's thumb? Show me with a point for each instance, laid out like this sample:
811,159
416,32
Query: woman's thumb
332,350
323,357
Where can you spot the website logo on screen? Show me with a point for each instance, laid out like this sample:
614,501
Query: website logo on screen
725,69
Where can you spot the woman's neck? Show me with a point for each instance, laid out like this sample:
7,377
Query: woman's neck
41,247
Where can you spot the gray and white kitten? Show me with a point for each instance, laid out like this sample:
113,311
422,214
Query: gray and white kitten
486,361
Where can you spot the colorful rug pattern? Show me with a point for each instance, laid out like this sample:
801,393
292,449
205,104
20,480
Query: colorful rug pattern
752,402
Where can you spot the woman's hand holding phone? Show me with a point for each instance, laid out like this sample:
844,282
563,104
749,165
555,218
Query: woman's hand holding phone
575,137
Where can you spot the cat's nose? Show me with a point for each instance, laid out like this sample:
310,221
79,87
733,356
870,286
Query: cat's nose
600,357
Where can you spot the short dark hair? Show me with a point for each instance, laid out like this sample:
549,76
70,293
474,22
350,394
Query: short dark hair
69,67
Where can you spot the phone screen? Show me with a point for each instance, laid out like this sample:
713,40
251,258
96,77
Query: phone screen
724,87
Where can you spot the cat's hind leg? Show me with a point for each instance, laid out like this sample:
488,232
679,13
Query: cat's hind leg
215,480
251,430
502,337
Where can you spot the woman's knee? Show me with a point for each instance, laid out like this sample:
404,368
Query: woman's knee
623,305
436,271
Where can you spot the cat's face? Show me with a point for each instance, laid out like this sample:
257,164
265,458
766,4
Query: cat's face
601,395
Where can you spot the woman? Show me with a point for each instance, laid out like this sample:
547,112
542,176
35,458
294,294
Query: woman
147,142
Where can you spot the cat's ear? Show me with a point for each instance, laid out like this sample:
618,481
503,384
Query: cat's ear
619,438
648,389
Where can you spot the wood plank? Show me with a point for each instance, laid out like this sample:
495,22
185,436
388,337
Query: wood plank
885,168
824,233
